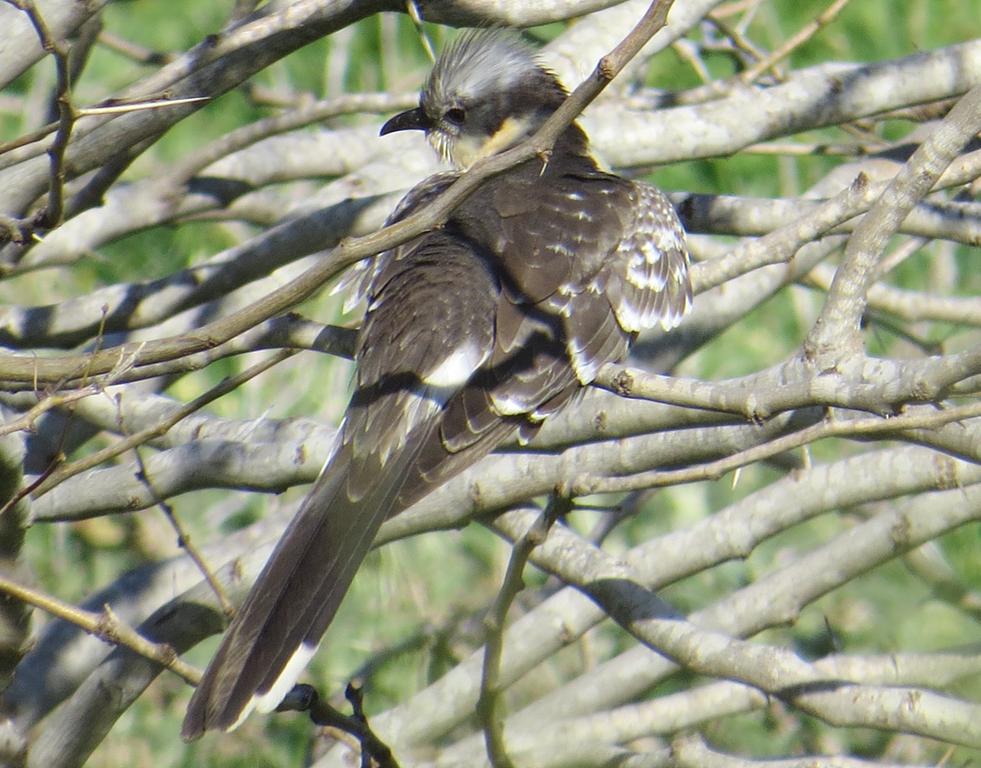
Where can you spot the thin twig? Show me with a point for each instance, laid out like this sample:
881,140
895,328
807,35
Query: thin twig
222,388
120,108
138,53
110,107
740,42
713,470
307,114
488,703
27,421
808,149
106,626
412,7
66,114
836,332
184,540
806,32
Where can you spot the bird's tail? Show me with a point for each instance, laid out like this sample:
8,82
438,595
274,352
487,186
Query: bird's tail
277,630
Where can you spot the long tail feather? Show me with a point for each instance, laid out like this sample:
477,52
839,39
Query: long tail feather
297,594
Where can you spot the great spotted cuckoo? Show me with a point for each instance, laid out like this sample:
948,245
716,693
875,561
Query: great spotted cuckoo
474,334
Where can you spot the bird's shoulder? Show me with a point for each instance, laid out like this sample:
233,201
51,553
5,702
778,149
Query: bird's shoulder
559,225
357,281
422,194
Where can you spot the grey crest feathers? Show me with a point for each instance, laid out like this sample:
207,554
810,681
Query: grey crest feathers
478,63
486,92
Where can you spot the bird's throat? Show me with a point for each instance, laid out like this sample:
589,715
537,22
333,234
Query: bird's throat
467,150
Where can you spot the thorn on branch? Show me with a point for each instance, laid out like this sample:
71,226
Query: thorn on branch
623,383
860,183
606,70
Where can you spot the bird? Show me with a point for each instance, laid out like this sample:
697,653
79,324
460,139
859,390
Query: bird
474,334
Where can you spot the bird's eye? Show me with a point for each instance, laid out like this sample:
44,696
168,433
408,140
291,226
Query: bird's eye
455,115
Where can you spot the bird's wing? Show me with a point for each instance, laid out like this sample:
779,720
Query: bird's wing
587,260
647,278
604,255
429,326
462,345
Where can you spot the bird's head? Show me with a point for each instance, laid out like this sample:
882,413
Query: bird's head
487,92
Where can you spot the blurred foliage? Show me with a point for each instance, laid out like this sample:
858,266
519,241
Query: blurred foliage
417,589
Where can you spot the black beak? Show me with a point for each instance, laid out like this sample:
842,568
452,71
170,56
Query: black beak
413,120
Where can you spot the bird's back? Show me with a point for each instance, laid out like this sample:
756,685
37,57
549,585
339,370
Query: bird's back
474,332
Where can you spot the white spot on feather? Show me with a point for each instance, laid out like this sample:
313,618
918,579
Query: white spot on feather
268,701
507,405
585,366
456,369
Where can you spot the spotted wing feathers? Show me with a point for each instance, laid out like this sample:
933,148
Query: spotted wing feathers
473,332
648,282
